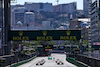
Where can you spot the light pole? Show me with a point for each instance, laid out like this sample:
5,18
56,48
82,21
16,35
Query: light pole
1,24
6,27
27,26
81,51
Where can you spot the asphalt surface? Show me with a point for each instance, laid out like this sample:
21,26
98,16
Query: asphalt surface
49,63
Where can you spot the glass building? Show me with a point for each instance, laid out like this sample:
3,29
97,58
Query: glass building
95,21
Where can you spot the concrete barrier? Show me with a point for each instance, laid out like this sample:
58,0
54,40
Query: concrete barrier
7,60
75,62
93,62
21,62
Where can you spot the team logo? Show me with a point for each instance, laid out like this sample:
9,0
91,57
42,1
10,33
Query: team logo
44,33
68,32
20,33
47,46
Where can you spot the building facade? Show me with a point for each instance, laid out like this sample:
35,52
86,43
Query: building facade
94,21
84,32
46,25
37,7
74,24
86,7
17,14
67,8
98,24
28,17
16,6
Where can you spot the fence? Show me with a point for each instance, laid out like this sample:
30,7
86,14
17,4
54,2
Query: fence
73,61
90,61
21,62
93,62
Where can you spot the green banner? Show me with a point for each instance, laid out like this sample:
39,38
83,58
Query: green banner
44,35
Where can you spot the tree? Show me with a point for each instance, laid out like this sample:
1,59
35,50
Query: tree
66,42
85,42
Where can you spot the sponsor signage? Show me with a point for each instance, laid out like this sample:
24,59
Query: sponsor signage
96,47
2,61
96,43
48,47
44,35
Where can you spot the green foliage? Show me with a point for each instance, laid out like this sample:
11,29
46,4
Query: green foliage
56,25
37,42
50,19
28,52
73,42
50,16
26,44
43,42
66,42
51,42
82,36
85,42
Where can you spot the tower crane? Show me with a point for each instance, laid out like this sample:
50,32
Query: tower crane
57,1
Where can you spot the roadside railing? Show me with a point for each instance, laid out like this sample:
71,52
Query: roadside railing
91,61
77,63
21,62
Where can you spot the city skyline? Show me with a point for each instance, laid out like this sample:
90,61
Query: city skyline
40,33
79,2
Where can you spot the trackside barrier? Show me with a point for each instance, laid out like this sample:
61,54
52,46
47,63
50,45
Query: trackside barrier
21,62
70,58
91,61
73,61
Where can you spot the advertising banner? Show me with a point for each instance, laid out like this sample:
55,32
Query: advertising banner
44,35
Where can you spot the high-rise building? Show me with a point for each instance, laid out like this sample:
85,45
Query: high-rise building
95,25
15,6
17,14
67,8
28,17
86,7
37,7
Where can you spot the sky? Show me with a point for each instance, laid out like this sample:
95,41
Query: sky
79,2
